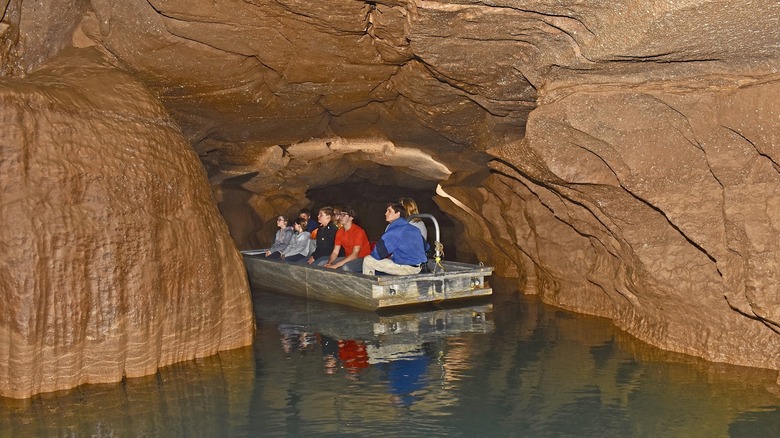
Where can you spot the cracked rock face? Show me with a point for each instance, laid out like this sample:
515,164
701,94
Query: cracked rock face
618,157
671,226
115,259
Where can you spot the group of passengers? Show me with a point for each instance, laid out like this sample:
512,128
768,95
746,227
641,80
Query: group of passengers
335,241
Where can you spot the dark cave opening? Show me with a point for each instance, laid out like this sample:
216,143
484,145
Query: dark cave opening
250,214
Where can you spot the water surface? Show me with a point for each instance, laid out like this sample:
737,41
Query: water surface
507,366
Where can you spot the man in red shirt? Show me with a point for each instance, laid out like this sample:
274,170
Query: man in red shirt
354,240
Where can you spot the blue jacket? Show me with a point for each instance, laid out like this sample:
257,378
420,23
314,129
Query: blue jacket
403,242
312,224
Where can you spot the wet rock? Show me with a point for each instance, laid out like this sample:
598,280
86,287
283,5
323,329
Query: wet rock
115,259
664,223
619,157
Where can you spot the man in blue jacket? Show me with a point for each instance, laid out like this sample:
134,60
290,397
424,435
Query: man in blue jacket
401,250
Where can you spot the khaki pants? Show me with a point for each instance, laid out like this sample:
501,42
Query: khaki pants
371,265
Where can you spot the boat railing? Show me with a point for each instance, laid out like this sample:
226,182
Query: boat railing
437,246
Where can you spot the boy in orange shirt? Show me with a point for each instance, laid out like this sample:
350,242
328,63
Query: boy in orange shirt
354,240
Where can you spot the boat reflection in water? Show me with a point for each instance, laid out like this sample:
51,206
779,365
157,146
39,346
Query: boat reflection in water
516,368
400,347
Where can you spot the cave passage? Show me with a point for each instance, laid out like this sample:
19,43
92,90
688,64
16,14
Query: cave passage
367,192
370,198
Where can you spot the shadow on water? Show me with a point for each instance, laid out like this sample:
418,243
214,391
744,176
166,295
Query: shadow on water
507,366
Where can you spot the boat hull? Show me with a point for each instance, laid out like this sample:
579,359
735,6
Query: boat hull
455,281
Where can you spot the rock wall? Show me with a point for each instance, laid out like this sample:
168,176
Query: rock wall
633,141
115,259
657,210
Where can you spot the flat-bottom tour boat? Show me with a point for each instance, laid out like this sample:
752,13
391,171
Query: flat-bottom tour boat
446,281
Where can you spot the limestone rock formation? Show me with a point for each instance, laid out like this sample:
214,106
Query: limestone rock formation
115,259
666,224
618,157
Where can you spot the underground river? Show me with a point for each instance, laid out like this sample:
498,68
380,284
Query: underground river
506,366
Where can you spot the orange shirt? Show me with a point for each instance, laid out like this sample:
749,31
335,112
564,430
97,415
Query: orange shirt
348,239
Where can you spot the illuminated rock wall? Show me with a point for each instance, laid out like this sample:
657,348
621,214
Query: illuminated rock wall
633,143
656,210
115,260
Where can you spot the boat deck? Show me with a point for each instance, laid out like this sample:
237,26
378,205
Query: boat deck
455,281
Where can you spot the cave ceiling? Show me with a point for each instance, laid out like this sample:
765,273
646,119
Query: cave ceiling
620,157
452,79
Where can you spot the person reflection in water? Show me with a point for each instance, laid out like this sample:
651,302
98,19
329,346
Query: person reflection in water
407,375
353,356
330,353
294,338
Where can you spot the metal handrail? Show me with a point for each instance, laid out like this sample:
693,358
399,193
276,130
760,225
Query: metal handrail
437,243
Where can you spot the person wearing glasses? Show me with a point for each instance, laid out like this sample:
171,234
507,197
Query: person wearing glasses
353,240
282,238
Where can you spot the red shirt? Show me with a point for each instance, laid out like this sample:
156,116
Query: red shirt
348,239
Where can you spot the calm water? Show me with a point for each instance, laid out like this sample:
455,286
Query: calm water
508,366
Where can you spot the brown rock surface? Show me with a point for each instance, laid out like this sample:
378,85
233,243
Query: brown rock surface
667,224
115,259
633,143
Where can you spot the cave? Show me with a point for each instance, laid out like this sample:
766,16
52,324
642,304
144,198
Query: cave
366,189
370,199
615,159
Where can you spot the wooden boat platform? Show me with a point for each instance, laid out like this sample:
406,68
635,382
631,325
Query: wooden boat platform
456,281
